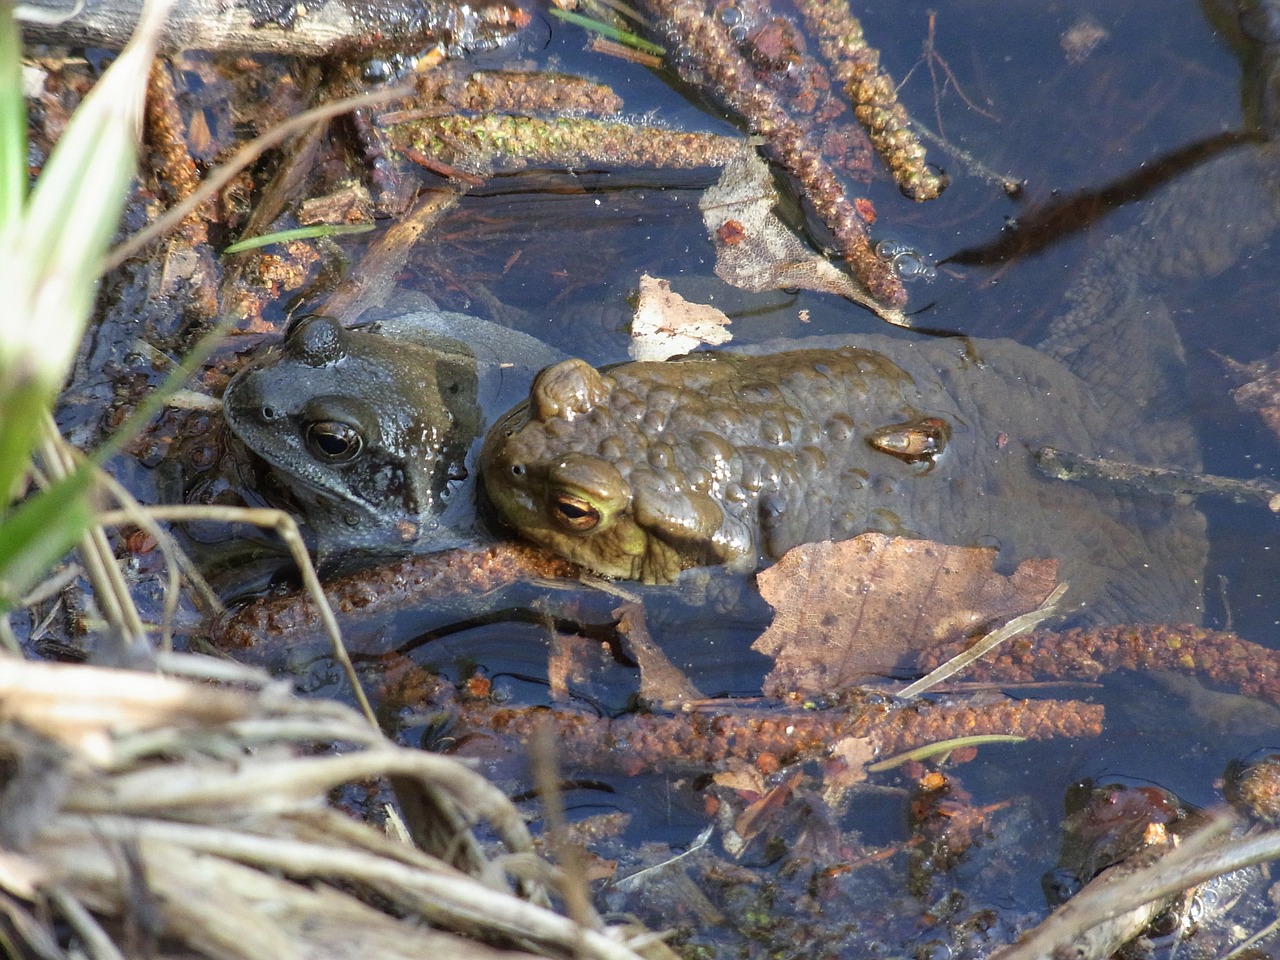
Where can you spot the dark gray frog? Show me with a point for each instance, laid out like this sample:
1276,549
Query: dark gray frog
645,470
374,429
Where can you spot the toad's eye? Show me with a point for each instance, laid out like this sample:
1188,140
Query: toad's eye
574,513
334,441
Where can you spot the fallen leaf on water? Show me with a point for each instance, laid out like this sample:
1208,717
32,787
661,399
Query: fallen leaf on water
862,608
668,325
756,251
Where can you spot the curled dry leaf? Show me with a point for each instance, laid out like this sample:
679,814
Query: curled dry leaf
667,325
756,251
862,608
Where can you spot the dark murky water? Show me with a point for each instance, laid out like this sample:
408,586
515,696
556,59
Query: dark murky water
1161,80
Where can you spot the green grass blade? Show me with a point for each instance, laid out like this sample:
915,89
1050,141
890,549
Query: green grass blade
298,233
51,256
13,122
52,247
38,532
606,30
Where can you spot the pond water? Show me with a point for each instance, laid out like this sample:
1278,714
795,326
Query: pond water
1078,124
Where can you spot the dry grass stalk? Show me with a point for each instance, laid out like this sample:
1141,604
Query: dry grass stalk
196,817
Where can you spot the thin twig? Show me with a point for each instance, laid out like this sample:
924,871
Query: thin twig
573,886
176,561
1062,465
110,588
94,938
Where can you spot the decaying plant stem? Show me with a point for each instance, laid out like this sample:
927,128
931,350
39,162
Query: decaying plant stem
482,143
875,100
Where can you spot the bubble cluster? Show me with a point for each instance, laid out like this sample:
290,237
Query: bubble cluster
907,262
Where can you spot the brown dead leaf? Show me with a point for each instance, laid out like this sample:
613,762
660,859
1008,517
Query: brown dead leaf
743,778
756,251
861,608
764,812
668,325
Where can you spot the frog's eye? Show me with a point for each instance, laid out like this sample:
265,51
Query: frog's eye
334,441
574,513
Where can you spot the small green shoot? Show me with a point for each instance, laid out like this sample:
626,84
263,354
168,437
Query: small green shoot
300,233
606,30
939,748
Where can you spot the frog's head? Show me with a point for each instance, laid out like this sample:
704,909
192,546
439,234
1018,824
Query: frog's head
568,472
370,434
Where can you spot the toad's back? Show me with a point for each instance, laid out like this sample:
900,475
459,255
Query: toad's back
651,468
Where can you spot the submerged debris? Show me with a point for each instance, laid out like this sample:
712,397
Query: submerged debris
1187,875
874,96
1080,39
1259,388
714,59
1062,465
518,91
709,735
1081,654
369,595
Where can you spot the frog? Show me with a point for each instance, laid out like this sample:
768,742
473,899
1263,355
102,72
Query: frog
727,459
374,428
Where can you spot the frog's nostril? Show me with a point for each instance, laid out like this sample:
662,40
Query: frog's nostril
268,413
517,469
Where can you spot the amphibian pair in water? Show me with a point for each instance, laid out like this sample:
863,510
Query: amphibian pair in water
646,469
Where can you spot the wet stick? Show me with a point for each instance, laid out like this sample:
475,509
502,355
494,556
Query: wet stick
1061,465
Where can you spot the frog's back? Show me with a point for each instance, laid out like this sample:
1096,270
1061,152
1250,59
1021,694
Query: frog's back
375,428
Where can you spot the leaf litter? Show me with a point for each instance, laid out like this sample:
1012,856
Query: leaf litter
756,251
861,609
667,325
